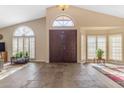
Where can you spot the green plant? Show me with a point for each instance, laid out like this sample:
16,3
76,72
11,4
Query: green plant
99,53
17,55
21,54
26,54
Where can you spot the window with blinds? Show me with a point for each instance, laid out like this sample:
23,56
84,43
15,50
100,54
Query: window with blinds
115,47
95,42
24,41
91,47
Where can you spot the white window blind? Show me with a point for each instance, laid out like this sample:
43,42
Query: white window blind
95,42
115,47
24,41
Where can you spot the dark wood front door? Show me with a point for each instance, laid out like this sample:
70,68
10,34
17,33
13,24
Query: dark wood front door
63,45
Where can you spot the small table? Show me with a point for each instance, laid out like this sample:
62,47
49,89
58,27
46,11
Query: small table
100,60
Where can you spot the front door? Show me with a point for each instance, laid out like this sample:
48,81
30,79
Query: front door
63,45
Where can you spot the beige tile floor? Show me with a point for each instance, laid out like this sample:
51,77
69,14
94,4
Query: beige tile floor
62,75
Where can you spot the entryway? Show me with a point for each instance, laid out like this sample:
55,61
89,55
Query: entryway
63,46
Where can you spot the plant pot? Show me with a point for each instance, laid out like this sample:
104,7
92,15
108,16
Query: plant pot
99,57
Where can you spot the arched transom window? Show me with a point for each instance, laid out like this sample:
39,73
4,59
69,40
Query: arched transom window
24,41
63,21
24,31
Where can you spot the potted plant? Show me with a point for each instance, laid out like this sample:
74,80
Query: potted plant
99,53
21,54
20,57
26,54
17,55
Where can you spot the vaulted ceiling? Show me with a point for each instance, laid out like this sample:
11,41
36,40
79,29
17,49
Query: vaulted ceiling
10,15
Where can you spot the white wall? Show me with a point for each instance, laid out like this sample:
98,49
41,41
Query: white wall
82,18
39,28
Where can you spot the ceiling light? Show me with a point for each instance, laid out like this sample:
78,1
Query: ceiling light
63,7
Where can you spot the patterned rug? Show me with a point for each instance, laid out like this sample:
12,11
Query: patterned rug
9,69
113,71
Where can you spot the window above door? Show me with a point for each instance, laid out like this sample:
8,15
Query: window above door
63,21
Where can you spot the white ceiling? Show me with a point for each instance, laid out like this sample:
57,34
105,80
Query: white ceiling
10,15
114,10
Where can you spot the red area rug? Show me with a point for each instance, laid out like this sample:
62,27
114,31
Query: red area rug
114,72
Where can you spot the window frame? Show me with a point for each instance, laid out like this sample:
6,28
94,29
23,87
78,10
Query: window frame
62,20
87,45
96,41
110,52
32,36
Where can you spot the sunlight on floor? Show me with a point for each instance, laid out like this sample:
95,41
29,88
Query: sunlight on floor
10,69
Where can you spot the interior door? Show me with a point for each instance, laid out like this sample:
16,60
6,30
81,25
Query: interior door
63,45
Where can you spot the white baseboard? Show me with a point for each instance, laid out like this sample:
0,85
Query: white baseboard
40,61
48,62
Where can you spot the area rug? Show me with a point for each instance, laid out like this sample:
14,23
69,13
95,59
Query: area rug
9,69
113,71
